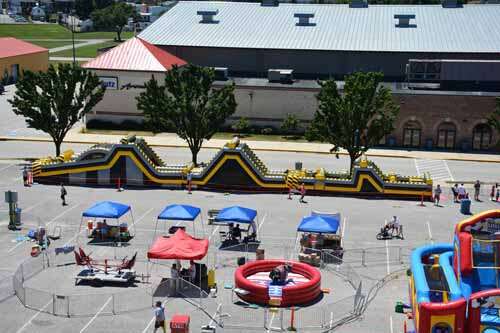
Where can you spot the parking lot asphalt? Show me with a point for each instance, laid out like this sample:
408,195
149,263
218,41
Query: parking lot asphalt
277,221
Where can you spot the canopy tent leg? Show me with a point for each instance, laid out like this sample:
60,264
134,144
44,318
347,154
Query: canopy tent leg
133,222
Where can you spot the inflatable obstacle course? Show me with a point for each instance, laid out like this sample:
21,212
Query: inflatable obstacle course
455,287
235,167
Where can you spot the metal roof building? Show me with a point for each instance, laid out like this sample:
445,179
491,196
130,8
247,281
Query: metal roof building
472,28
317,40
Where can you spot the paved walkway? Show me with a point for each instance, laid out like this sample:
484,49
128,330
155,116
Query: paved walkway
69,59
81,43
172,140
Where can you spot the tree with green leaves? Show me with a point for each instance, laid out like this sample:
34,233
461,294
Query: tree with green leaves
355,119
114,17
494,119
290,124
55,101
83,8
188,104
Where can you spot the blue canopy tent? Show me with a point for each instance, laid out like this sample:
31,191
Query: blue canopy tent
180,213
321,223
238,214
109,210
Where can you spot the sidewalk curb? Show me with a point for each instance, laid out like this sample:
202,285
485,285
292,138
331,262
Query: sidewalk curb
373,153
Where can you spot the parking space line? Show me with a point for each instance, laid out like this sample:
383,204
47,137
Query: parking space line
387,254
5,168
416,167
33,318
261,223
343,231
391,325
34,206
213,233
430,233
449,171
97,314
63,213
142,216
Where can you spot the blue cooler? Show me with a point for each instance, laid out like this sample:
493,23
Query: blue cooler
465,206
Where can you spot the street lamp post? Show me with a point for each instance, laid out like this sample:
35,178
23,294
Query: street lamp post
73,35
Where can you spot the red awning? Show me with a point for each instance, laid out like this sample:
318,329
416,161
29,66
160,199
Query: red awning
179,246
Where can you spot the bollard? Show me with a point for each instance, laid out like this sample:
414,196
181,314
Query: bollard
119,189
422,200
292,320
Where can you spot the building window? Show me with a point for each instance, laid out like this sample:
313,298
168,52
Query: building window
481,137
446,136
412,131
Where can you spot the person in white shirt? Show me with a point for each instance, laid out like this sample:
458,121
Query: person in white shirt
160,317
192,271
462,193
174,272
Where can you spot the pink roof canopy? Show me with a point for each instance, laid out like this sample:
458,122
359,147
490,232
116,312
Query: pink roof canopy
135,55
180,246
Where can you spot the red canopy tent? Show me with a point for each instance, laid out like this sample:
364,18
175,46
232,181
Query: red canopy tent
181,246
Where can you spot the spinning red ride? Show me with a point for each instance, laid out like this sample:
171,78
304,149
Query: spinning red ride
253,277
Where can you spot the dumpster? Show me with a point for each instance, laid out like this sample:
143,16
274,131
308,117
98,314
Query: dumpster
465,206
179,324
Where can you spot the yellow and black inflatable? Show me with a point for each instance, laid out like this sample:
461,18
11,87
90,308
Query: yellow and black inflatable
234,168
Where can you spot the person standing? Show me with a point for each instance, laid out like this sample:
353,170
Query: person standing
454,190
25,176
302,192
477,189
189,178
498,193
63,195
462,193
437,195
492,193
160,317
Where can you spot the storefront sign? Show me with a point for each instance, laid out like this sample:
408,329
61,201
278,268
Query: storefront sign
109,82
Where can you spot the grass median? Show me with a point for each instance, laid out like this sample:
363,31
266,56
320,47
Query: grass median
53,31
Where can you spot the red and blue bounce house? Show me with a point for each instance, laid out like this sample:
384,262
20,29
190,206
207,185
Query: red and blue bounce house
455,288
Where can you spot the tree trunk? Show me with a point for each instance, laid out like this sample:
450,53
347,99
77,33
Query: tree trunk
352,157
194,155
58,147
119,34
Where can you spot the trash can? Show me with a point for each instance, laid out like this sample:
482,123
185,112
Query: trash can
179,324
465,206
18,216
259,254
240,261
298,165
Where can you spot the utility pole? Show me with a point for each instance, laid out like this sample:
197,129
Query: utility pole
73,35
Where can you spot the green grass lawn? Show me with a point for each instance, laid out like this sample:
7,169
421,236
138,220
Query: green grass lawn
51,44
53,31
57,62
89,51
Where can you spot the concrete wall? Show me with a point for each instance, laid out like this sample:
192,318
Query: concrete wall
310,64
120,104
268,106
34,62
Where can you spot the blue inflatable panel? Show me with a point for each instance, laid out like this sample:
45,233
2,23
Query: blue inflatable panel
486,279
490,317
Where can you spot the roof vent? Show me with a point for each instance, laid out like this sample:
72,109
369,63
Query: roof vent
404,20
304,19
207,15
270,3
450,4
358,4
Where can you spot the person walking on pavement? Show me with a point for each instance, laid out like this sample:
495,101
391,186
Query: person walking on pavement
189,178
63,195
497,196
302,192
492,193
160,317
437,195
477,189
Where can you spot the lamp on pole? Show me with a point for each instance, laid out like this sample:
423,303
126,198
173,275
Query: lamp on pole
73,34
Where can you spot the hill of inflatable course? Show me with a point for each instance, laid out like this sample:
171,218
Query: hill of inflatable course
234,168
